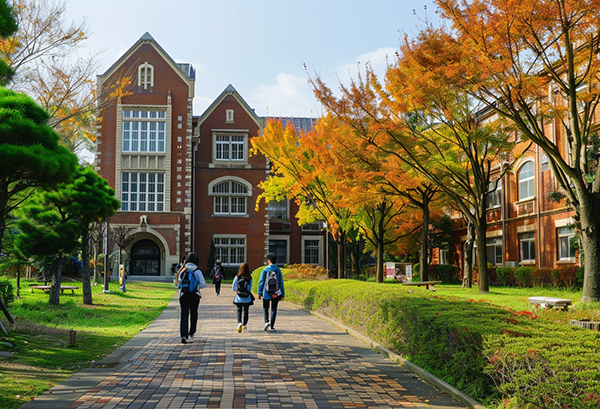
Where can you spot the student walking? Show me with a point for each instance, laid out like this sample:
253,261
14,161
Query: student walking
242,285
190,280
217,275
270,289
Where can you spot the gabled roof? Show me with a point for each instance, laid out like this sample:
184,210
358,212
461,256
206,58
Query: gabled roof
230,90
184,70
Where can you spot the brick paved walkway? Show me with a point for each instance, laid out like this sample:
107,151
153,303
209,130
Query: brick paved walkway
308,363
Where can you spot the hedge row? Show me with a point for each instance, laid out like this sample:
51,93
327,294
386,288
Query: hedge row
495,355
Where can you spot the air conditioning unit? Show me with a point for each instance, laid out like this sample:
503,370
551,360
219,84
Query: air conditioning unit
512,264
286,226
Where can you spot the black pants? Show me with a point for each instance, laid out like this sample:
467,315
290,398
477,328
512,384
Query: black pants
189,314
218,287
245,309
273,303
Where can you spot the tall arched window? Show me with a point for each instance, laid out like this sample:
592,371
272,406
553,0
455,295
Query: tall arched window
527,181
146,75
230,197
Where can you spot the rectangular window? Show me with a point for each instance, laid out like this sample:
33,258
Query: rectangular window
565,237
143,131
279,249
311,251
230,148
527,245
494,250
444,254
230,250
494,197
142,191
277,209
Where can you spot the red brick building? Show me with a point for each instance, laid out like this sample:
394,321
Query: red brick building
188,183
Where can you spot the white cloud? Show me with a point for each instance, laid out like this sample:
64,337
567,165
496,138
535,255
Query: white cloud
289,96
378,59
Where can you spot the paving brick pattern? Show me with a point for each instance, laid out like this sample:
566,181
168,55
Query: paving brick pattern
307,363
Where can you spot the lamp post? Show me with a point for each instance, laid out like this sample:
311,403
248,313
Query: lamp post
106,271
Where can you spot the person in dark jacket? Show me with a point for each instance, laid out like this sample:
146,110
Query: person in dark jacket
270,298
242,302
216,275
189,302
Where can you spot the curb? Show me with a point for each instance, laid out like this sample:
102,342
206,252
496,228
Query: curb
426,376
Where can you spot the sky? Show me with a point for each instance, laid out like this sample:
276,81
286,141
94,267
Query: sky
261,47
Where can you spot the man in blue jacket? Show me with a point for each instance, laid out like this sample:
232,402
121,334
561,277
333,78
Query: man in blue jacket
270,290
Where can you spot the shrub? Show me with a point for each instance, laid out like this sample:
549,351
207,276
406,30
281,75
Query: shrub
7,291
555,278
307,272
523,276
506,275
447,273
568,276
541,276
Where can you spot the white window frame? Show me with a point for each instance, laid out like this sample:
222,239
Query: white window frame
226,200
144,131
229,115
145,75
444,254
231,249
526,182
318,239
278,209
142,192
230,148
495,243
564,236
494,199
527,239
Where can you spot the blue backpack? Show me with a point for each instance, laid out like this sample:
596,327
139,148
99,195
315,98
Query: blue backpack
188,282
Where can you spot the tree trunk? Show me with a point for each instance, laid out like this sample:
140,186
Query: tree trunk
86,285
380,260
590,241
423,263
340,254
344,254
480,230
468,257
57,268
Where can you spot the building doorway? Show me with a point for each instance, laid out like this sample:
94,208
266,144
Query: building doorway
145,259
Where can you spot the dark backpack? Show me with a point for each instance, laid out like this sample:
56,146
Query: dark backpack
242,287
272,282
218,273
188,282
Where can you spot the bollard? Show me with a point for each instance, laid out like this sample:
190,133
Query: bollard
72,337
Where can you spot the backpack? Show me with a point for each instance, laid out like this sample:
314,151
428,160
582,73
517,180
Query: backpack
188,282
218,273
242,287
272,283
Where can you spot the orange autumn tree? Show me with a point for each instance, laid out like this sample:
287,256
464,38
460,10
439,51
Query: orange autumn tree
358,175
536,64
293,176
432,128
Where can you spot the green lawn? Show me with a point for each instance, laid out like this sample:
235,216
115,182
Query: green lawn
40,338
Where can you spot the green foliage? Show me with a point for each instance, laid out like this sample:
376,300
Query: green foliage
7,291
447,274
523,276
506,275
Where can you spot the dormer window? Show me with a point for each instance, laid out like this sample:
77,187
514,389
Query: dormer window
145,75
229,115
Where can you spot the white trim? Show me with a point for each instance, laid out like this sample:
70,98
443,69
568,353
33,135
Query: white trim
229,178
233,236
316,238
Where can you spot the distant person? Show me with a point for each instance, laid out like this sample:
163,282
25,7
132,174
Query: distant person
270,289
242,285
217,274
190,280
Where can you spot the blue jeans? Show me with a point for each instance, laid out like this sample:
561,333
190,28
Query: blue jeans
189,314
273,304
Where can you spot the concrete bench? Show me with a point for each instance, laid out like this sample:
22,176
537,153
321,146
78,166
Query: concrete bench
551,302
426,284
48,287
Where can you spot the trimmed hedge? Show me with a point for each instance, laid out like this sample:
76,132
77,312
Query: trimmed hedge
7,292
498,356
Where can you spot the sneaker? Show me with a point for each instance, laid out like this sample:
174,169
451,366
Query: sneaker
240,327
267,326
190,340
184,340
245,328
271,329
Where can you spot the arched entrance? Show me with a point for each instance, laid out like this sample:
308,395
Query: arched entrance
145,258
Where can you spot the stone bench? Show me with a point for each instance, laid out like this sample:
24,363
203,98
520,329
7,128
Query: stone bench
550,302
48,287
425,284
